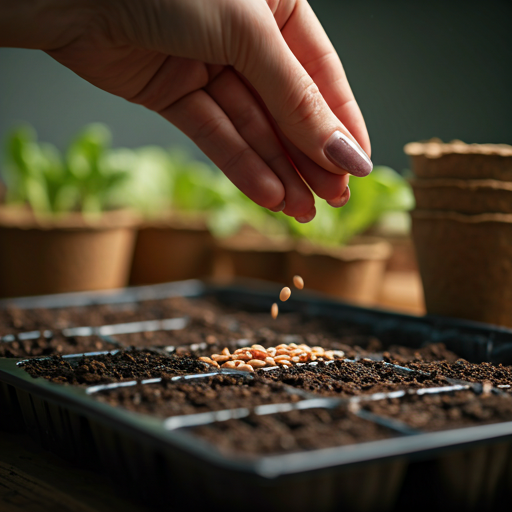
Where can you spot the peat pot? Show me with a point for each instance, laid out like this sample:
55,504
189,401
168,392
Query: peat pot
353,272
465,263
464,196
433,159
172,249
253,255
64,254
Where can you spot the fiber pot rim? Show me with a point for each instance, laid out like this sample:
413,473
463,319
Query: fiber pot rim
462,184
23,218
479,218
435,148
360,248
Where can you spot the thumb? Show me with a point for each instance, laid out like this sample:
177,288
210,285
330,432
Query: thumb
294,100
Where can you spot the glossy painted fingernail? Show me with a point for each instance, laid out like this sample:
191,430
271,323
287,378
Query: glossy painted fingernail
348,155
304,219
278,208
342,200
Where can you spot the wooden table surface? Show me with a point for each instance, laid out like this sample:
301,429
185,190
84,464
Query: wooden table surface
35,480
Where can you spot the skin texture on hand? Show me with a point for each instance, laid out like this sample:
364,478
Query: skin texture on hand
255,84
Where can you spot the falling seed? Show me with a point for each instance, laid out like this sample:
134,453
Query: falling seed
274,310
298,282
285,293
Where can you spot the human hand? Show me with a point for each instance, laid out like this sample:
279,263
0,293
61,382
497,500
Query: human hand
255,84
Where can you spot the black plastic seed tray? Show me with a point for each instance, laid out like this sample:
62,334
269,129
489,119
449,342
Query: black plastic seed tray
163,460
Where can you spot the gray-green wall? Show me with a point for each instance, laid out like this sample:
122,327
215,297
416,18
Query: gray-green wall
418,69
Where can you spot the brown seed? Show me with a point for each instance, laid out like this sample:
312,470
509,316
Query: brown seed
245,368
257,363
220,359
298,282
259,347
225,351
257,354
274,311
229,364
282,358
285,294
206,360
238,362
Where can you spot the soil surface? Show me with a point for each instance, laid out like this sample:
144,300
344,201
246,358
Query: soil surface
445,410
209,322
291,431
102,369
345,378
56,345
191,396
497,375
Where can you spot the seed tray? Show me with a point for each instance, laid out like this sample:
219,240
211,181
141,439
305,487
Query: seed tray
471,464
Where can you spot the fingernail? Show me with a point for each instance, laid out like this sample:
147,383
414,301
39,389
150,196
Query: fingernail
348,154
342,200
278,208
304,219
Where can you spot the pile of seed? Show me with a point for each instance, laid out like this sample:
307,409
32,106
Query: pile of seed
256,356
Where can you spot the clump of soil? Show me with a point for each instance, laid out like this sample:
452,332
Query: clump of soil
461,369
445,410
191,396
102,369
55,345
345,378
291,431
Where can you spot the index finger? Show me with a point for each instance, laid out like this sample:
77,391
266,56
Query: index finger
308,41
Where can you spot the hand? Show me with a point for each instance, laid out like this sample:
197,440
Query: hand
255,84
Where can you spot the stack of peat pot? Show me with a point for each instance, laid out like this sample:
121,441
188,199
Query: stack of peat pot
462,228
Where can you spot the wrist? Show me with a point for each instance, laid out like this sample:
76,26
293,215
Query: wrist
43,24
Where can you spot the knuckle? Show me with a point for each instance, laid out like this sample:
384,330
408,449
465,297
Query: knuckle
308,105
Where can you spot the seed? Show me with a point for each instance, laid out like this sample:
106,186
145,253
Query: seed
244,356
206,360
245,368
282,358
225,351
259,347
296,352
292,345
285,294
257,363
257,354
270,361
229,364
296,359
271,351
274,310
238,362
283,352
220,359
287,364
298,282
304,357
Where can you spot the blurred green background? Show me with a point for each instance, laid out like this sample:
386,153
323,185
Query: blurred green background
418,69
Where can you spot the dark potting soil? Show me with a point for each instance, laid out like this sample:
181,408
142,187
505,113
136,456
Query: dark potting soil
497,375
291,431
442,411
345,378
58,344
191,396
102,369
